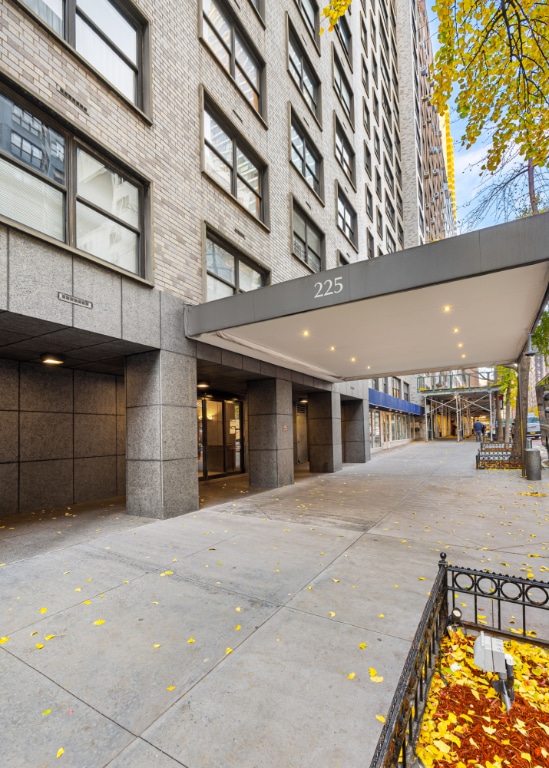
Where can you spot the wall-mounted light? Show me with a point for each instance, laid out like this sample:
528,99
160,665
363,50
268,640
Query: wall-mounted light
304,400
203,384
52,359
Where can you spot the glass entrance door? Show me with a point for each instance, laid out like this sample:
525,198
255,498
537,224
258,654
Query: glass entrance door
220,444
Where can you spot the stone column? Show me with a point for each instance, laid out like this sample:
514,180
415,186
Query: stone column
270,433
355,431
161,434
324,431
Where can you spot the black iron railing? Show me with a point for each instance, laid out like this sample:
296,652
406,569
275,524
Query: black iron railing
500,595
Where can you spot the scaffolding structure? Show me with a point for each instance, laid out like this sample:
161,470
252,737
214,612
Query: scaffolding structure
451,413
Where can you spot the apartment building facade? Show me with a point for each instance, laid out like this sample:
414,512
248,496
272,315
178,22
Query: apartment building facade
155,155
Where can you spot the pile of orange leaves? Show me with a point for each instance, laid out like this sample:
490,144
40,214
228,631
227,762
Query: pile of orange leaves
465,724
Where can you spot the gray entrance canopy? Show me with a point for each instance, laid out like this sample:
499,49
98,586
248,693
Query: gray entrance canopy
464,302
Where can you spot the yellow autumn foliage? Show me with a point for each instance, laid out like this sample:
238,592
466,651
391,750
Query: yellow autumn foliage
494,60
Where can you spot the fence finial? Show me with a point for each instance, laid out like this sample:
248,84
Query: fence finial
442,560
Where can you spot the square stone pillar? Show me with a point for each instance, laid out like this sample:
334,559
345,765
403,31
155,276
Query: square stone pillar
355,431
324,431
270,433
161,434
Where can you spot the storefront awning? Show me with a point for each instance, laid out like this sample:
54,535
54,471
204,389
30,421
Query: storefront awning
464,302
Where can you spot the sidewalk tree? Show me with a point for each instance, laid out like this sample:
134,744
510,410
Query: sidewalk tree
507,384
540,337
333,12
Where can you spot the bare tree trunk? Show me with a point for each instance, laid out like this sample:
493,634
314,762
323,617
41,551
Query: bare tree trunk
532,187
507,437
519,436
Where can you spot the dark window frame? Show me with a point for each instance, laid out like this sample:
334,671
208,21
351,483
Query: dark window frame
297,77
135,19
236,29
238,142
345,37
346,148
348,228
309,226
309,145
341,86
239,257
68,187
312,28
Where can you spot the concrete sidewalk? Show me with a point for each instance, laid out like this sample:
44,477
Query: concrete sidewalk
243,635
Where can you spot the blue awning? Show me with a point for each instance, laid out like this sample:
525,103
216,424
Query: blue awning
390,403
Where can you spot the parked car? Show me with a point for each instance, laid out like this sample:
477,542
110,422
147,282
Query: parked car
533,427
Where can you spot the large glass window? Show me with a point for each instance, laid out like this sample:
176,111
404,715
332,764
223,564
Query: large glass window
305,156
50,183
303,75
234,53
104,33
346,217
230,164
344,152
228,271
343,90
307,241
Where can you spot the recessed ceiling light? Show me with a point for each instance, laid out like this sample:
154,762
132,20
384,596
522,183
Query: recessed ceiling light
203,384
332,349
52,359
369,367
304,400
460,345
305,333
447,308
456,330
353,359
464,355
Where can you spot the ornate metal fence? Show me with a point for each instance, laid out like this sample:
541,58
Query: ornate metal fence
502,594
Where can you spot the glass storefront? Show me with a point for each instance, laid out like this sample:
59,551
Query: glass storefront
220,443
387,427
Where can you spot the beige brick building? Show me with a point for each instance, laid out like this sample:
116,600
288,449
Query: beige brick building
158,154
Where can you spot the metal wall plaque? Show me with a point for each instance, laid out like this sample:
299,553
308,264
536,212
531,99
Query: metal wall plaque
74,300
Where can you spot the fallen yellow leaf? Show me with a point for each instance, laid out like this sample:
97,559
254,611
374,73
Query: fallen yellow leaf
46,712
39,646
191,640
170,688
156,645
336,581
228,650
167,573
332,614
380,718
362,646
376,679
60,752
238,627
3,640
49,637
441,745
99,621
351,676
43,610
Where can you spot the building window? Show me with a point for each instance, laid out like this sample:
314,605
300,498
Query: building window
370,245
343,90
343,31
228,271
344,152
305,156
365,77
230,164
346,217
396,387
367,160
376,108
387,141
309,11
379,223
105,33
303,75
378,184
406,391
228,45
369,204
366,116
374,68
52,184
377,145
389,176
364,36
307,240
401,235
391,245
389,210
